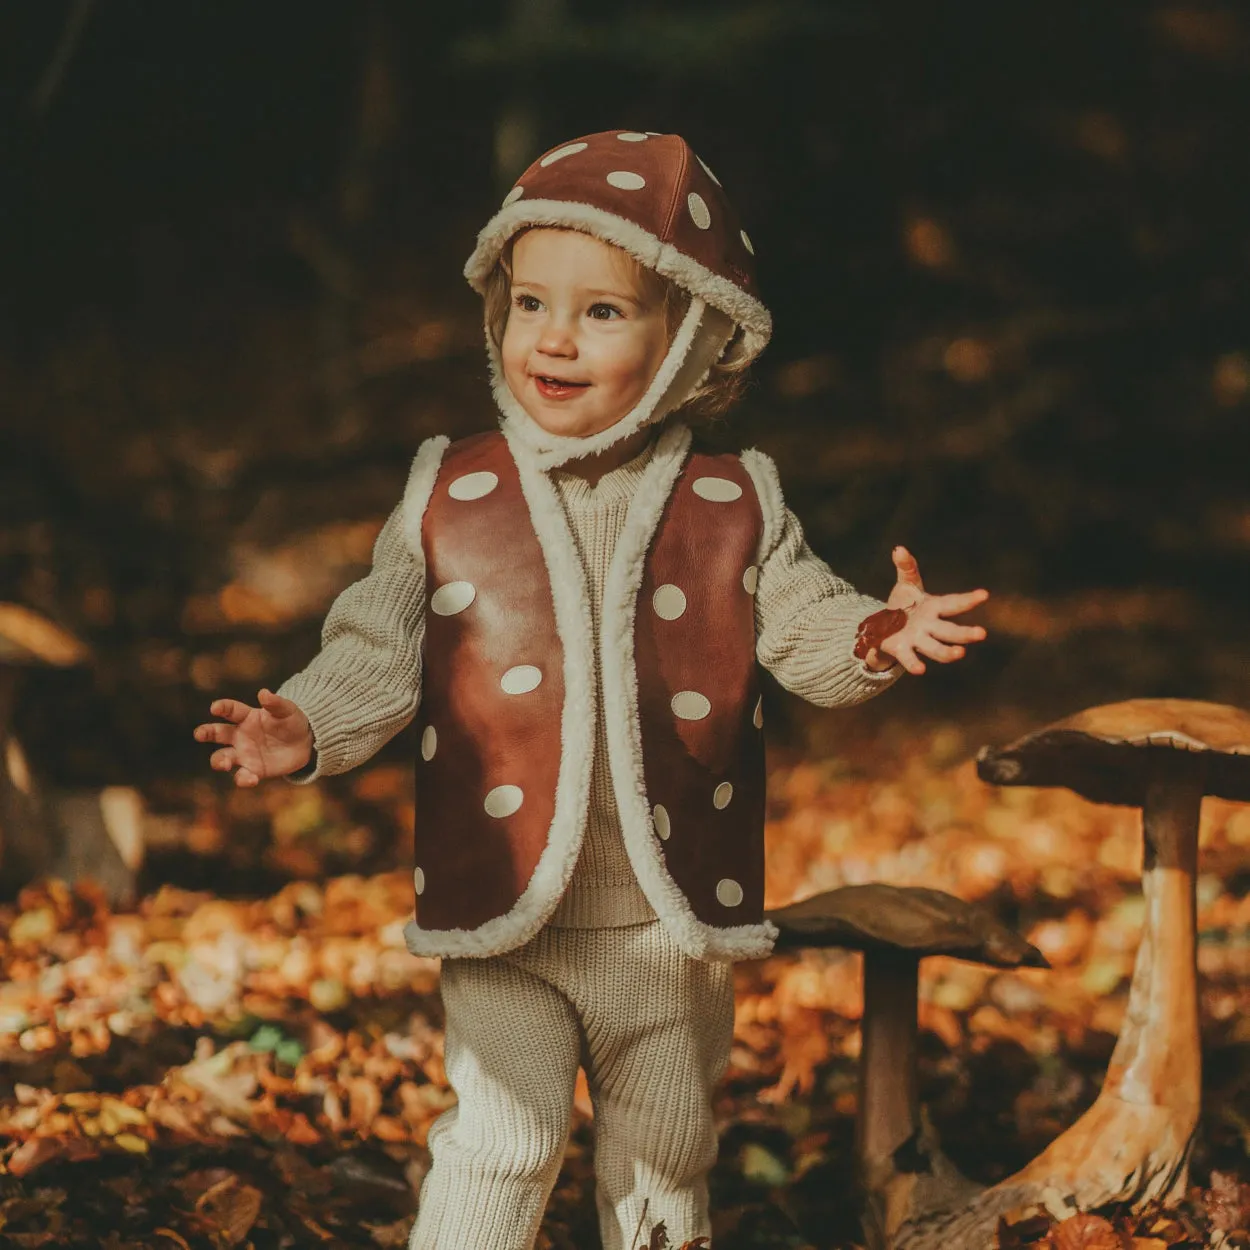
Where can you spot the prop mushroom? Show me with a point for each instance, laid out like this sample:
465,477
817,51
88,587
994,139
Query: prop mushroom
1162,755
63,833
1133,1144
901,1169
27,640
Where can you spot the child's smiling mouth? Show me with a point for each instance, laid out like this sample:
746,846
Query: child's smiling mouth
557,388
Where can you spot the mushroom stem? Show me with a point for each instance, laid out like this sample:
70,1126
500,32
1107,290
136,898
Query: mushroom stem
889,1109
1157,1060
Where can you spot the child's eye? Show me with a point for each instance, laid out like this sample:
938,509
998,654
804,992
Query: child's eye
527,303
605,312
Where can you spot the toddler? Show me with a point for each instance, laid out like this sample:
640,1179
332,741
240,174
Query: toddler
578,605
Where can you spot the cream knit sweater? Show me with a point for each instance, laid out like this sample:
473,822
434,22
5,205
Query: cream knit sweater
365,683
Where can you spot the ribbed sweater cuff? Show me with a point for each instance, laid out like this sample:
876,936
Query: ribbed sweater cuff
825,669
346,729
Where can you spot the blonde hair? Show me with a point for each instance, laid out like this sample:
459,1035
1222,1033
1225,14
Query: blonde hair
725,381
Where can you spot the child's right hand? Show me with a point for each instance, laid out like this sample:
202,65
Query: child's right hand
267,741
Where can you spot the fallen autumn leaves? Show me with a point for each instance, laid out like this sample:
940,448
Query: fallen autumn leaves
215,1072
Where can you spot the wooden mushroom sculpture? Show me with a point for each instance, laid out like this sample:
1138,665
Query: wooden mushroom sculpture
72,834
1133,1144
27,640
900,1167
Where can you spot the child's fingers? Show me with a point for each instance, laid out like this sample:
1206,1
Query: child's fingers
948,631
907,568
245,777
276,705
230,709
216,731
224,760
948,605
939,650
902,651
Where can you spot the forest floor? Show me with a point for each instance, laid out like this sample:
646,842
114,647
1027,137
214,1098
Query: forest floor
241,1065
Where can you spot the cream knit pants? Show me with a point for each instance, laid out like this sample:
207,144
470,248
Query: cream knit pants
652,1028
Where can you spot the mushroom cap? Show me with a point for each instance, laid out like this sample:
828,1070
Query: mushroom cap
1110,753
912,919
26,637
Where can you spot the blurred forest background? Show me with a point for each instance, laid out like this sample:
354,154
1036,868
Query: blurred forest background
1007,249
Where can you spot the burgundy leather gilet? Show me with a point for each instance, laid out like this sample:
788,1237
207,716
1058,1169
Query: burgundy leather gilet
494,690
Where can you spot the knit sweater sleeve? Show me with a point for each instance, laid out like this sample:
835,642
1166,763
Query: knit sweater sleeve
806,617
364,685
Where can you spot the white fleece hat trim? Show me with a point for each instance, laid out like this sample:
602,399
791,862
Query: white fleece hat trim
664,258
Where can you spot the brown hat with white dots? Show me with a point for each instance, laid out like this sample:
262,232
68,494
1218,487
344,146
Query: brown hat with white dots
651,195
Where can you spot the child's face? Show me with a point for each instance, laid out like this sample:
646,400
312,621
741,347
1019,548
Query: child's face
585,331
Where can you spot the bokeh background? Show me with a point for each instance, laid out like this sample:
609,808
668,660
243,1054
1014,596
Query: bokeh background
1007,249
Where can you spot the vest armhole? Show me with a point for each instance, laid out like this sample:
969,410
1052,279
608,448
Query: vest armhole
763,474
421,478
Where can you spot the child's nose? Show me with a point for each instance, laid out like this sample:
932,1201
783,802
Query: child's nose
557,338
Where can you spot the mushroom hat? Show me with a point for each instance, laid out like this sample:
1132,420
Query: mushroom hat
652,196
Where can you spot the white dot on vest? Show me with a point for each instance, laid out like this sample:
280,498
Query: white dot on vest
746,242
452,597
758,718
707,170
504,800
751,579
717,489
429,743
728,892
698,210
560,153
669,601
513,195
721,796
663,826
521,679
690,705
473,485
632,136
626,180
418,880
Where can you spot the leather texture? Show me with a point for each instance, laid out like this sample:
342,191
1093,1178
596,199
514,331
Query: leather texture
704,548
476,865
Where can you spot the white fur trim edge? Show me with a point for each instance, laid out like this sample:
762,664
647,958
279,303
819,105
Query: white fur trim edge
624,730
664,258
574,628
763,474
421,478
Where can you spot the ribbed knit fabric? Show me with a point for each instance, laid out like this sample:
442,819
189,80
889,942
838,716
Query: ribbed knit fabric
652,1028
604,890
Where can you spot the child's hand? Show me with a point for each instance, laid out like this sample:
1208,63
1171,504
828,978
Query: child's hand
926,632
267,741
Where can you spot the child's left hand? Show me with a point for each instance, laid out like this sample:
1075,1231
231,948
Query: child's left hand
926,631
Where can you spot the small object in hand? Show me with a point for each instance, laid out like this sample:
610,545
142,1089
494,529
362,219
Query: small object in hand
875,629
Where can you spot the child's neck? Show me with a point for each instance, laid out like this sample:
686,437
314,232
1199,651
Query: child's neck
592,468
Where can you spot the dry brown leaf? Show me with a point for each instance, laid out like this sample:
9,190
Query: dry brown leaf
231,1207
1087,1232
364,1102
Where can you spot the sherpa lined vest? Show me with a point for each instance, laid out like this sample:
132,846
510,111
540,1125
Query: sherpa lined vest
507,720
